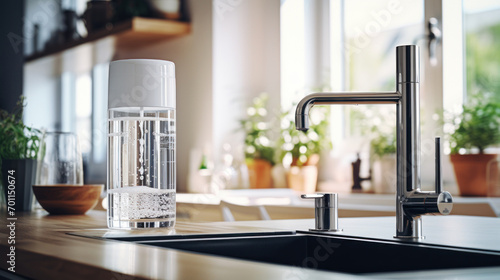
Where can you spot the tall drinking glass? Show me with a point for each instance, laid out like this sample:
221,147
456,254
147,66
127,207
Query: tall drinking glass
141,144
59,160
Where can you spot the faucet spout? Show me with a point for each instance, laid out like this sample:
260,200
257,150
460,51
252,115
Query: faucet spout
326,98
411,202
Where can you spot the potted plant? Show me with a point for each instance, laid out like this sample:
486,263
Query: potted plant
300,151
473,130
383,154
259,149
19,146
378,124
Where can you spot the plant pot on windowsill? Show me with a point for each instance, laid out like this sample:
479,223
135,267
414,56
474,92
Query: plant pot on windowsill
470,173
384,174
476,127
259,173
383,152
304,178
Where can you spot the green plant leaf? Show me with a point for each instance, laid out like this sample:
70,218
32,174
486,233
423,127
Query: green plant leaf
17,141
479,125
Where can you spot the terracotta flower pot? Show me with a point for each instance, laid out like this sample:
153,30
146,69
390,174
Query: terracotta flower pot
470,172
259,173
303,179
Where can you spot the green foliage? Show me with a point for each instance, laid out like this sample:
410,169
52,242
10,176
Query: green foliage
259,140
301,145
377,123
17,141
478,126
383,144
257,131
483,61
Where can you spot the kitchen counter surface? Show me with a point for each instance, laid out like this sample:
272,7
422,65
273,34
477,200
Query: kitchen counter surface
44,250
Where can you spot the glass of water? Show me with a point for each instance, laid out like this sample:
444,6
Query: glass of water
59,160
141,144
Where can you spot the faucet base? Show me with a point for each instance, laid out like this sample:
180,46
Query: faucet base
409,237
412,227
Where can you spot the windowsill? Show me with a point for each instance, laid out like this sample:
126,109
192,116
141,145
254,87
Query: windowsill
358,201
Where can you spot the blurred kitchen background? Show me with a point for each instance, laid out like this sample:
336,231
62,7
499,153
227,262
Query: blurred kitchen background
241,66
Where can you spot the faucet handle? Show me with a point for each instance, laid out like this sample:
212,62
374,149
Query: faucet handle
437,165
325,211
314,195
323,200
444,200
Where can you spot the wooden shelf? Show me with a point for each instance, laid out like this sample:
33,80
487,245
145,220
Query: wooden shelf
129,34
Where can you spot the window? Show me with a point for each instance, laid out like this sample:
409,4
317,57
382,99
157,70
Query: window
72,102
482,45
292,51
342,45
361,43
373,29
83,112
365,33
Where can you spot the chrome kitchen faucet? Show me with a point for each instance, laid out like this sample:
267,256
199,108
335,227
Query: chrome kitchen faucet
411,202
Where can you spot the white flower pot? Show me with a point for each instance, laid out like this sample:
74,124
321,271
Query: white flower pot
384,176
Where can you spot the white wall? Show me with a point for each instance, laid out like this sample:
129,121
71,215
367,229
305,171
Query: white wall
41,87
246,51
192,55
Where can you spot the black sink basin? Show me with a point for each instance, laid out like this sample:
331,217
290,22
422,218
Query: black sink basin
340,254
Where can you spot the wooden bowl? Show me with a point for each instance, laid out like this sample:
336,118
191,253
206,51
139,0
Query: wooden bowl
67,199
